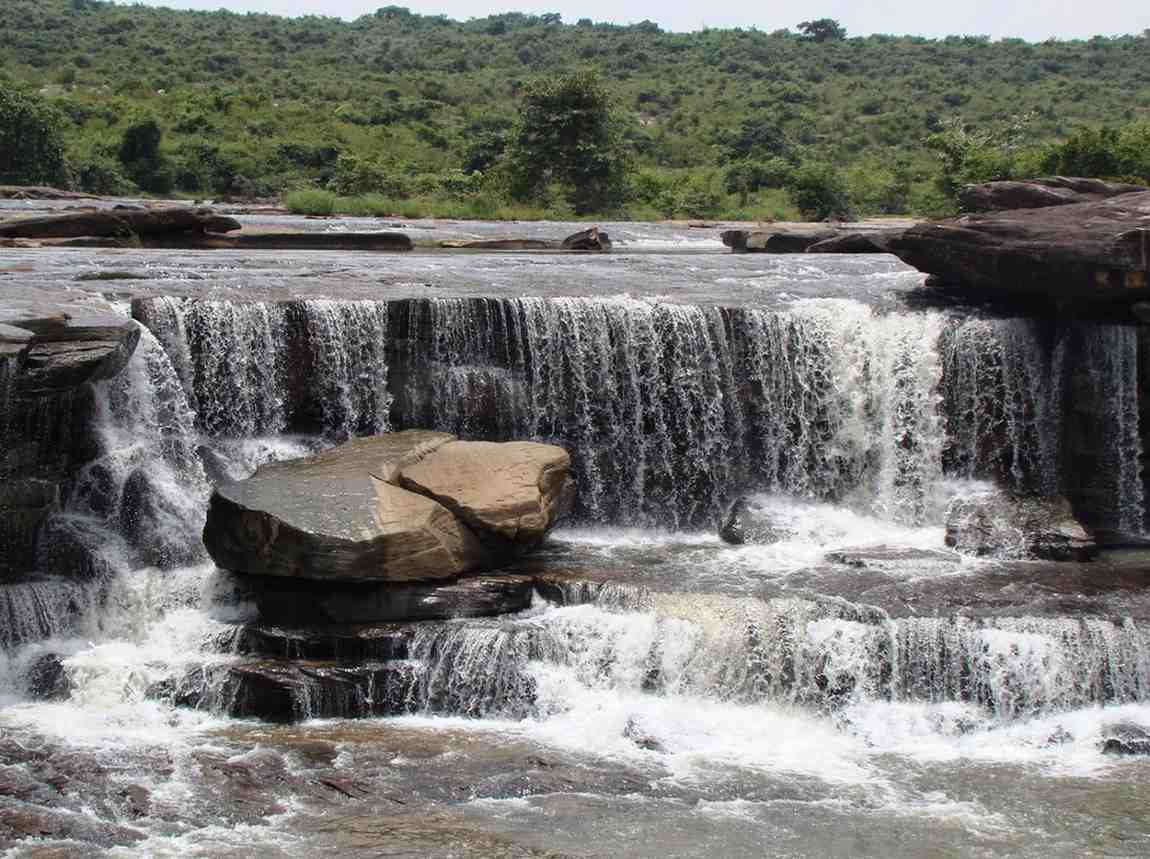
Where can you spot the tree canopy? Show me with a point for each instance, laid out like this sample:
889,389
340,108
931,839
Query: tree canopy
31,141
422,107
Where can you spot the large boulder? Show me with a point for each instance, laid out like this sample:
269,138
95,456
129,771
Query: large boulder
407,506
513,491
993,523
590,239
1039,193
1084,252
337,516
860,242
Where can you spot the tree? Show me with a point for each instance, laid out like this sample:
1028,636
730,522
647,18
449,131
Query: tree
819,192
31,141
140,154
567,134
823,30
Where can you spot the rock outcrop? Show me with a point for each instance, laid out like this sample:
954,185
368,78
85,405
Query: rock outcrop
350,515
995,524
870,242
58,345
780,240
1084,252
118,223
1039,193
590,239
749,521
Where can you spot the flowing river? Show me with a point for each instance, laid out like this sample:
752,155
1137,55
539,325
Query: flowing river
666,694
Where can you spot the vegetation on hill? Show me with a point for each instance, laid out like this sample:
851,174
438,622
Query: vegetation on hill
436,115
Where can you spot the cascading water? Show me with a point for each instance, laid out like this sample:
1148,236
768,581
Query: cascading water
669,410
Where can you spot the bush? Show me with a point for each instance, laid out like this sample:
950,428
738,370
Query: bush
31,141
313,201
819,192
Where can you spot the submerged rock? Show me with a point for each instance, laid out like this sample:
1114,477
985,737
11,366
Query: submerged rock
46,680
1125,739
590,239
301,604
994,523
405,506
749,521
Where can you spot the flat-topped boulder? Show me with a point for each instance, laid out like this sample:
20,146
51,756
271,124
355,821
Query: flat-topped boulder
1039,193
408,506
60,343
1083,252
512,490
790,239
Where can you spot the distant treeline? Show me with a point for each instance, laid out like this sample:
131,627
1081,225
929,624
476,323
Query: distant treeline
426,113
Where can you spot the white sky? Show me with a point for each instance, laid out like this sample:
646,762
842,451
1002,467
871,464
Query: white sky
1034,20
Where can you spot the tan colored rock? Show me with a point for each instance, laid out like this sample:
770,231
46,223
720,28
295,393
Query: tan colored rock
515,491
336,516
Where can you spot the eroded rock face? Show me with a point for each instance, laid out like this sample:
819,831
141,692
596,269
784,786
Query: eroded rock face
1079,253
779,240
993,523
590,239
408,506
118,223
57,345
1039,193
514,491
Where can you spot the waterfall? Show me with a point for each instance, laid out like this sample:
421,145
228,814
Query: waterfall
820,654
1003,402
669,410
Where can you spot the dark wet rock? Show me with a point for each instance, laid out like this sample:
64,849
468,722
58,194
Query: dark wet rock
302,604
890,557
777,240
1079,253
346,642
871,242
1125,739
635,732
996,524
590,239
748,521
39,192
118,223
19,822
1039,193
25,505
60,344
215,468
45,678
321,241
282,691
499,244
337,516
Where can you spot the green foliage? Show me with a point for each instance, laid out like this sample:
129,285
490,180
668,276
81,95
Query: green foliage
823,30
31,141
567,134
1105,152
255,103
820,191
310,202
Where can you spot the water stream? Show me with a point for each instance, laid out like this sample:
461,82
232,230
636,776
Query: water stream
667,694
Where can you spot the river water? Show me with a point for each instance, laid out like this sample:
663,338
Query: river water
666,694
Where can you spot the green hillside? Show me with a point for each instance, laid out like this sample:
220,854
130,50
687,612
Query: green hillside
410,106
